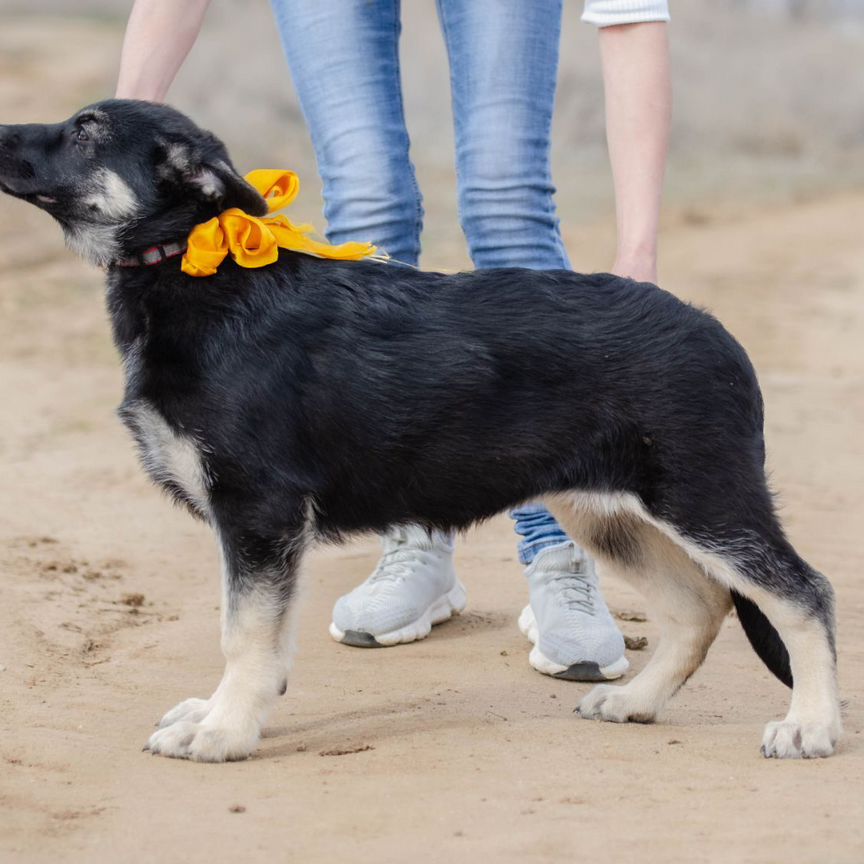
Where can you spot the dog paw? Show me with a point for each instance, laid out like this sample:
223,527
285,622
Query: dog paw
789,740
193,710
202,743
614,704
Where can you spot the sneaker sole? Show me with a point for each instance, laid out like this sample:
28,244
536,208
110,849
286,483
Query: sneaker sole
444,608
585,670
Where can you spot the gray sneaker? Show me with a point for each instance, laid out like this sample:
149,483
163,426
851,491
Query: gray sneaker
413,588
567,620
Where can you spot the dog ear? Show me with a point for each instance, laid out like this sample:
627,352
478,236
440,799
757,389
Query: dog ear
220,182
213,180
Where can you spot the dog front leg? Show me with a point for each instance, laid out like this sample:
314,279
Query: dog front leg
259,584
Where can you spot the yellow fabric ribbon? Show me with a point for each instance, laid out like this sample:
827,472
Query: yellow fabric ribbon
254,242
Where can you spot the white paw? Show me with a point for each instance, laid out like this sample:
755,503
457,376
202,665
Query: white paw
615,704
201,742
790,740
193,710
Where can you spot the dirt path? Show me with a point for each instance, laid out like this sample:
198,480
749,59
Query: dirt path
448,749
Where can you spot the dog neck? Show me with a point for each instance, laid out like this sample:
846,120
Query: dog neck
153,255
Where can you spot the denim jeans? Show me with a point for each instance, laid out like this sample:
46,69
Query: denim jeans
344,59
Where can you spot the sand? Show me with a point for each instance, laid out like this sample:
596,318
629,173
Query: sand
448,749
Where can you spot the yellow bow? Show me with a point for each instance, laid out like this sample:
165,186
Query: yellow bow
255,242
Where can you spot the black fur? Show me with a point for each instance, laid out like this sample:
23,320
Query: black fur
340,397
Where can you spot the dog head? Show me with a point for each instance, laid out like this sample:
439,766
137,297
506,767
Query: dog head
122,175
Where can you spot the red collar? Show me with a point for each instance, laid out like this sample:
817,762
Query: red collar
152,256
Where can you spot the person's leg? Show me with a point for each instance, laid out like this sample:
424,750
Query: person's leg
503,64
344,59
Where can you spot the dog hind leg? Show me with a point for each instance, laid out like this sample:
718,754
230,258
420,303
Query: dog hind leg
748,553
799,604
259,584
688,606
757,563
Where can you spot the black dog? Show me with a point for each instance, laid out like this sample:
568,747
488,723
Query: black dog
310,399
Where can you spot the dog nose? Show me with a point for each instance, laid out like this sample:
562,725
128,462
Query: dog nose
9,137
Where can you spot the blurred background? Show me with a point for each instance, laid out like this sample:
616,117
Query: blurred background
769,101
107,594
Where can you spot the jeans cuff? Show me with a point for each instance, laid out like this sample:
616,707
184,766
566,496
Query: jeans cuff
528,550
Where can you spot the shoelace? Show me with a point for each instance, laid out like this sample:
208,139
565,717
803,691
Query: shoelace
573,583
399,553
393,566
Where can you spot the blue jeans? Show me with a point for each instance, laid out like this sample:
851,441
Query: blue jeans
344,59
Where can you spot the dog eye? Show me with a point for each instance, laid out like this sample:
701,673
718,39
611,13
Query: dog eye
82,135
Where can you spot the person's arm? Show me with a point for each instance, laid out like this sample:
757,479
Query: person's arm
638,109
159,35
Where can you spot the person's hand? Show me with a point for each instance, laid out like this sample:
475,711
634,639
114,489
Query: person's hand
641,267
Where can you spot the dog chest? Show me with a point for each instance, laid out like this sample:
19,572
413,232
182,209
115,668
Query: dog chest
171,458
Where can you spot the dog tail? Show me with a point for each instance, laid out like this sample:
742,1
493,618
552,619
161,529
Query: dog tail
764,638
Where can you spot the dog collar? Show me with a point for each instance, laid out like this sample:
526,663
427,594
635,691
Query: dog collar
250,241
152,256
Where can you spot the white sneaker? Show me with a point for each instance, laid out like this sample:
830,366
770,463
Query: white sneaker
413,588
567,619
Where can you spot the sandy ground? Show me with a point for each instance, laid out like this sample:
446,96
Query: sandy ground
452,748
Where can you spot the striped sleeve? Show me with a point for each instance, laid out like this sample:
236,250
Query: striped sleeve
607,13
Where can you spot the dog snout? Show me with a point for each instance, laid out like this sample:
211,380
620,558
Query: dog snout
13,165
10,138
